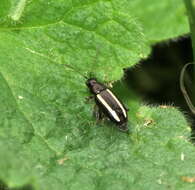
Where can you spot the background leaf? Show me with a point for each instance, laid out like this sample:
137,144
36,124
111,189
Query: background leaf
48,136
160,20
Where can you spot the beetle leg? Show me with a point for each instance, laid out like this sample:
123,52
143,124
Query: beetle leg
89,99
99,115
127,109
123,127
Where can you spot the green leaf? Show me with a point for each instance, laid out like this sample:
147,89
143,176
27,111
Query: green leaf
161,20
84,35
49,138
191,15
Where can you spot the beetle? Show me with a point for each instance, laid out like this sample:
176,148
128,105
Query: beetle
109,104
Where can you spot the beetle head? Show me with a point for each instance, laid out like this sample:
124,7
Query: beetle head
95,86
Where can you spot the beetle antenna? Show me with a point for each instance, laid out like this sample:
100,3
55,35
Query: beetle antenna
92,74
74,69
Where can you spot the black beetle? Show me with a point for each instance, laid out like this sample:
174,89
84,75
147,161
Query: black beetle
109,104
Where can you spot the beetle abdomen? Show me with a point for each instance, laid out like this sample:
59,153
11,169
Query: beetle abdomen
109,103
112,106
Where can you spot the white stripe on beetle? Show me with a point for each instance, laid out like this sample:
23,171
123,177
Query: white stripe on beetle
113,113
121,106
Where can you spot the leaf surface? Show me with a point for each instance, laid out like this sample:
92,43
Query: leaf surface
49,138
161,20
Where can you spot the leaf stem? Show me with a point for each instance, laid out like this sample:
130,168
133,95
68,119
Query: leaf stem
183,89
190,6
